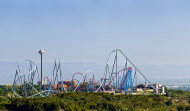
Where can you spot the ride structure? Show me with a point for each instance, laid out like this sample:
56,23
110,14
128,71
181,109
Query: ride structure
23,85
120,76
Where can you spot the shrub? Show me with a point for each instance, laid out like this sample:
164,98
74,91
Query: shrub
180,108
169,102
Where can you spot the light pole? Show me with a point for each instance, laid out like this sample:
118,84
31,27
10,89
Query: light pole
41,53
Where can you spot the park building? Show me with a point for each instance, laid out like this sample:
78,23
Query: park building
158,88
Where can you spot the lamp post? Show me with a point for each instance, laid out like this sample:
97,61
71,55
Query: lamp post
41,53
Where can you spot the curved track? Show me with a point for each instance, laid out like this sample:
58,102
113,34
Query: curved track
119,76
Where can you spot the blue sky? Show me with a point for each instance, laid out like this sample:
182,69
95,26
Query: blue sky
148,31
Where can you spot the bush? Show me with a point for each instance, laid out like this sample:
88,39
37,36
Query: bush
2,107
63,104
187,108
180,108
169,102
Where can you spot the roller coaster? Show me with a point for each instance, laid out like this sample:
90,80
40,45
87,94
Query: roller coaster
120,76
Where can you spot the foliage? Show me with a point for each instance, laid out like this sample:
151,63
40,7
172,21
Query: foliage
84,101
169,102
87,101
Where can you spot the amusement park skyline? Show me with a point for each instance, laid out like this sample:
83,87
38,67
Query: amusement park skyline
148,32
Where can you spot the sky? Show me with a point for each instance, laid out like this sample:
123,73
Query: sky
147,31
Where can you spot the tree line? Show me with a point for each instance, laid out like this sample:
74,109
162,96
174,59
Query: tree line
84,101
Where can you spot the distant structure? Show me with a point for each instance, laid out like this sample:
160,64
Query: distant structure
120,76
159,88
23,84
41,52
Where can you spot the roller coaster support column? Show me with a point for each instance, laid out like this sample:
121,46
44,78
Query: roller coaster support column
129,79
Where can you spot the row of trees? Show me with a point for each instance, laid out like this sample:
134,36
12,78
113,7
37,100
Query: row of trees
82,101
5,90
